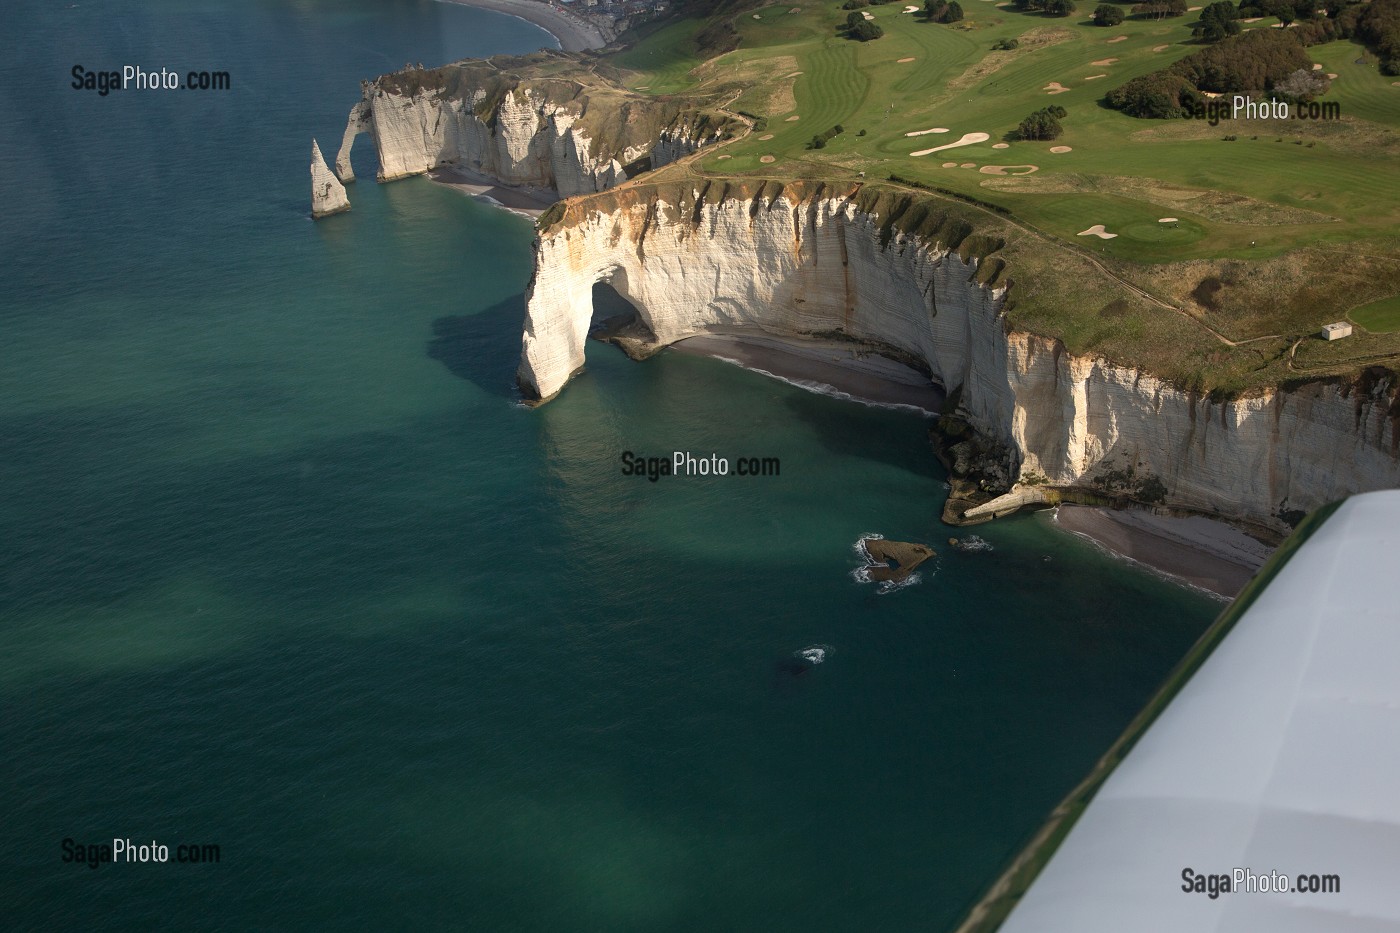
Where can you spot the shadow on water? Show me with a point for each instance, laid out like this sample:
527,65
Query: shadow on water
845,429
482,348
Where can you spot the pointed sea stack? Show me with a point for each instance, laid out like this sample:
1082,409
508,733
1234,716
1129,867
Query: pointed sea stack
327,193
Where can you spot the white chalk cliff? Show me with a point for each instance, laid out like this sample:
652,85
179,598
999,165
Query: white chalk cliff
810,260
545,132
327,193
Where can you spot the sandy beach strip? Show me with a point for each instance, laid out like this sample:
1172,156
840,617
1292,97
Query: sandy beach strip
573,33
532,202
829,367
1205,553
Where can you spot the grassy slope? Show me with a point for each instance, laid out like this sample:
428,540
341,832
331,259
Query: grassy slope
1308,210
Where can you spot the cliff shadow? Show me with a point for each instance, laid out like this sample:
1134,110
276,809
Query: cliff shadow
482,348
853,429
617,321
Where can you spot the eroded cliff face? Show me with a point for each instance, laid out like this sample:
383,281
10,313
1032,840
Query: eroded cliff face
521,127
807,259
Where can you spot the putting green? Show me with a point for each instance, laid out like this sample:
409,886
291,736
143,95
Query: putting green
1382,317
1182,231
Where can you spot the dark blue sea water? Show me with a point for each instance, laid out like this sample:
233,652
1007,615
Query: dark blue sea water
285,568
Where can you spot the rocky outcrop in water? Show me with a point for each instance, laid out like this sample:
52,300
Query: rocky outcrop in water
894,561
327,193
805,259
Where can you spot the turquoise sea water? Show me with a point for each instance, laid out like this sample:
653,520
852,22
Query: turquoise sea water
285,568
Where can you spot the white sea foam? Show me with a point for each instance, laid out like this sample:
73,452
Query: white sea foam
862,574
814,654
975,543
889,586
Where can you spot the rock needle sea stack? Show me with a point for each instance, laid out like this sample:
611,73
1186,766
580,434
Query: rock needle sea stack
327,193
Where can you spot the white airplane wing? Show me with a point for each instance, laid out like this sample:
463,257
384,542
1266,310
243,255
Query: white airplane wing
1274,747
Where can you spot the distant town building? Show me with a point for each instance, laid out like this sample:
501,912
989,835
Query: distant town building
1336,331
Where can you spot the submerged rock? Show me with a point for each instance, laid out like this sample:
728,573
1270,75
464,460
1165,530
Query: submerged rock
327,193
899,558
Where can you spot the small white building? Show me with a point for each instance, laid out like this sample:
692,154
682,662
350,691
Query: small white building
1336,331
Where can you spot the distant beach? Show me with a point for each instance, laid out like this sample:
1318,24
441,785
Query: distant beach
1206,553
521,199
573,33
828,366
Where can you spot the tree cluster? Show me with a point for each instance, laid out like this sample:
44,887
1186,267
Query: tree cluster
858,27
1218,21
943,11
1107,14
820,140
1303,86
1378,25
1043,124
1251,61
1159,9
1048,7
1005,45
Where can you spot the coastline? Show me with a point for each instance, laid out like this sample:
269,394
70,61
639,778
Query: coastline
574,34
1193,550
827,367
1202,552
518,199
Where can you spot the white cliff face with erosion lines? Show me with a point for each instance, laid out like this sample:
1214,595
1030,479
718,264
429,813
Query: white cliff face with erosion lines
519,132
809,260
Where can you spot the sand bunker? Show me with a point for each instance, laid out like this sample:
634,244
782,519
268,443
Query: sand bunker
1001,145
911,9
756,16
1252,19
766,159
1055,87
1192,9
796,9
765,137
1317,67
1007,169
1395,84
1098,231
793,75
644,87
792,119
1332,76
1160,48
904,60
1166,220
936,129
724,157
1117,39
1105,61
967,140
950,165
1059,149
1095,77
968,165
867,15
